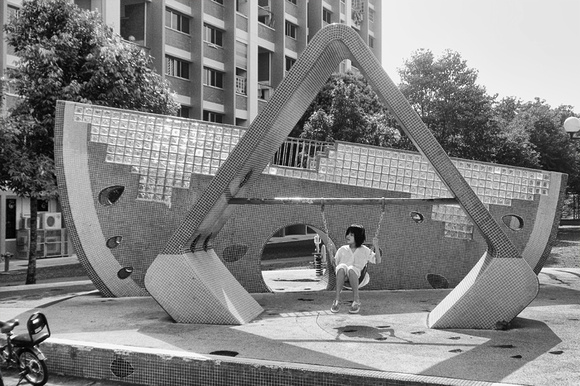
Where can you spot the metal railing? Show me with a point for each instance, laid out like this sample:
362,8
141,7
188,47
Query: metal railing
299,153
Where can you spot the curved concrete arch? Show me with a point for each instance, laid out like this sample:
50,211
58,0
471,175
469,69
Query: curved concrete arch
502,278
75,186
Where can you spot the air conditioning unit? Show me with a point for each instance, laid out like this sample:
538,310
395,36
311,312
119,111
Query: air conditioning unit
51,220
26,222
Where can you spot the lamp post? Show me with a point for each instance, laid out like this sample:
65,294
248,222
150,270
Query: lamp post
572,127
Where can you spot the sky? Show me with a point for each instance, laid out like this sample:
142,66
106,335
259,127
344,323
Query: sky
521,48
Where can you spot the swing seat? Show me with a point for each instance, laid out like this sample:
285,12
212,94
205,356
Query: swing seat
363,280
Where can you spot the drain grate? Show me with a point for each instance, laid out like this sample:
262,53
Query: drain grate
121,368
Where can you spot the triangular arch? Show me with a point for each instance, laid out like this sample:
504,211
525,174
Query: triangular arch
497,289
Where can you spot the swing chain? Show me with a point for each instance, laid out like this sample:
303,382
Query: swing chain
329,244
383,209
324,223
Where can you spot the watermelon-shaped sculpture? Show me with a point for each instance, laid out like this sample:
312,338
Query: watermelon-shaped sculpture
149,203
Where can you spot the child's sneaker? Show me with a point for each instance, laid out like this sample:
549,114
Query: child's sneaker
335,307
354,308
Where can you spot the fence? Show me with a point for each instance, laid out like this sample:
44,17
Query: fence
299,153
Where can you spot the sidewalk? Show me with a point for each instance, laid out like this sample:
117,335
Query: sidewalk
22,264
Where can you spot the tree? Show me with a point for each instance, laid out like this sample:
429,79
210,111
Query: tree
514,147
347,109
454,107
68,54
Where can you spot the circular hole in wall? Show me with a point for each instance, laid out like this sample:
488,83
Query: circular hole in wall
513,221
290,262
114,242
417,217
124,272
110,195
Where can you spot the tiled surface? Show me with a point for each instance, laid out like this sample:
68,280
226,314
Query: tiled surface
161,367
164,152
177,163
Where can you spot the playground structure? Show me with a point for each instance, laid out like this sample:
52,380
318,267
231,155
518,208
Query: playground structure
153,204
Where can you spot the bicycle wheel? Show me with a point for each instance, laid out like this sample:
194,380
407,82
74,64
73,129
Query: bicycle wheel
34,368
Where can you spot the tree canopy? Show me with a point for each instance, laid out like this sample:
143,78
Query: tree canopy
457,110
68,54
347,109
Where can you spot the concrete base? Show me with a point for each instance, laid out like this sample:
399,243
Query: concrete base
198,288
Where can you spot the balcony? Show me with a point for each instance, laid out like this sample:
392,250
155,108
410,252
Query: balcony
265,16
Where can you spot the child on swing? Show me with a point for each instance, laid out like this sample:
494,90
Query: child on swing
350,259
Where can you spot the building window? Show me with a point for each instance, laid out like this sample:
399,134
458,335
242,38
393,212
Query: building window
343,6
213,35
219,1
292,1
176,21
12,12
133,22
371,42
177,68
213,78
183,111
291,29
41,205
326,16
371,15
289,63
210,116
241,84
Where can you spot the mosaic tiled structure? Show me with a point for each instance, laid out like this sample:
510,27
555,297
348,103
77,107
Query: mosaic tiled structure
172,215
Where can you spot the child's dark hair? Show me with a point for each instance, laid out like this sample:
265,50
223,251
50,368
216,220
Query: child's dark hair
359,234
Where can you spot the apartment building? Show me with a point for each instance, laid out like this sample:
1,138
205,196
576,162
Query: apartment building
223,58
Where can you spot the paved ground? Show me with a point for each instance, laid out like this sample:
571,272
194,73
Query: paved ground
390,334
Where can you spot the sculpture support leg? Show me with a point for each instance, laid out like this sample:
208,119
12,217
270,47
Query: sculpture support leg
180,280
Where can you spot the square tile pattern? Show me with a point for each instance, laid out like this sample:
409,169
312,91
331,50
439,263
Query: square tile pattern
165,152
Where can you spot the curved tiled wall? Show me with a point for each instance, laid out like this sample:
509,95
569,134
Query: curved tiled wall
178,174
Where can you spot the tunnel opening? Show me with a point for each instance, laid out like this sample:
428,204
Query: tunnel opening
292,259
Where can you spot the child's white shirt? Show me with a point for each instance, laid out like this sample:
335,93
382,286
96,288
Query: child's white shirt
357,259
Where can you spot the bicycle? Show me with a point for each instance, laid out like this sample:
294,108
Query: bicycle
21,351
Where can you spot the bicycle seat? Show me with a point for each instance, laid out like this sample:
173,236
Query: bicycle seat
6,327
38,328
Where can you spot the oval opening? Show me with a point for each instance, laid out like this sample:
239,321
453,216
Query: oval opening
114,242
513,221
234,252
292,260
124,272
110,195
437,281
417,217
